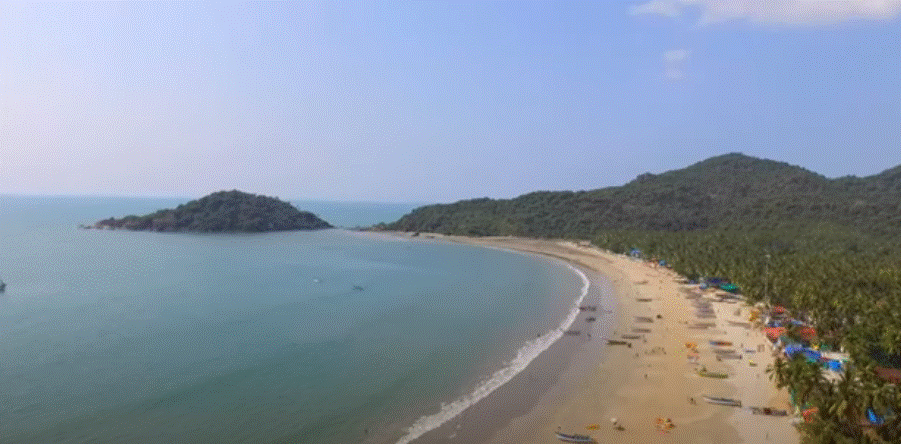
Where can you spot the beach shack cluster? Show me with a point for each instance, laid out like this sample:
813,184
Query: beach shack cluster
794,338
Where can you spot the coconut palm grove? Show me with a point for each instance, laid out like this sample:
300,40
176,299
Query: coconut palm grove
825,253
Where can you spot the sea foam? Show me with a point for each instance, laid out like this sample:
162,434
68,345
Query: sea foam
525,355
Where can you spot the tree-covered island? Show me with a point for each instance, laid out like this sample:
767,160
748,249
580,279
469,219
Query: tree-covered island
223,212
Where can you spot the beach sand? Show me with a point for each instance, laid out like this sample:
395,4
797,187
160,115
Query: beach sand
580,381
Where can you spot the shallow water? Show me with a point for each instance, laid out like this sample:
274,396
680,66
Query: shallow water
306,337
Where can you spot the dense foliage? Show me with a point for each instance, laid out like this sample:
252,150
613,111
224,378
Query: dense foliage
845,283
223,211
730,191
829,249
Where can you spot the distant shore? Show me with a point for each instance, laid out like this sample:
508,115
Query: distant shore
579,382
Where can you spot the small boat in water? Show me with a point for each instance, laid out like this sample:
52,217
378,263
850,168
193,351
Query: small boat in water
722,401
565,437
2,286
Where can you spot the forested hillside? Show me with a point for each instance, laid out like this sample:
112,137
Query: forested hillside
828,249
732,191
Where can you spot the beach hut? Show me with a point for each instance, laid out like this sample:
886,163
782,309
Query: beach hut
807,333
809,414
774,333
876,420
731,288
889,374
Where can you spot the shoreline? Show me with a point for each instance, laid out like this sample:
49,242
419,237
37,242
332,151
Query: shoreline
575,383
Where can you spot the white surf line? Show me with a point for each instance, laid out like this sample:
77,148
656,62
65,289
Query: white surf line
525,355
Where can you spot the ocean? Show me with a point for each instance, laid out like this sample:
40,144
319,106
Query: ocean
292,337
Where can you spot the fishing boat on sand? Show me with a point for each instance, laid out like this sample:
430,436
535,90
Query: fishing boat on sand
722,401
766,411
725,351
716,375
565,437
739,324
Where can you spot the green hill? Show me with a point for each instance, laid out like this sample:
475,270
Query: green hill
223,211
828,249
732,191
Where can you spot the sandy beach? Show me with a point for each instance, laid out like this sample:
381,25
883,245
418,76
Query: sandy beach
650,386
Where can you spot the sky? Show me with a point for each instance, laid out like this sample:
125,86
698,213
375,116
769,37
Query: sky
436,101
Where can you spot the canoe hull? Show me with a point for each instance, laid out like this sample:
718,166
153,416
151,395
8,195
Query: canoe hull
574,438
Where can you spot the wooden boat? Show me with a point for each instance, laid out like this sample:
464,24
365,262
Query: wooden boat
721,343
641,330
2,286
725,351
616,342
630,336
647,319
591,319
768,411
565,437
715,375
643,299
722,401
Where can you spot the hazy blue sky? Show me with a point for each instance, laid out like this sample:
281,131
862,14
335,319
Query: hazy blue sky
435,101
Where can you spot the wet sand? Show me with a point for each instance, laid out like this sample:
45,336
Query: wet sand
579,381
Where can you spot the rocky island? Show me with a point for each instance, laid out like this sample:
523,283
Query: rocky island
222,212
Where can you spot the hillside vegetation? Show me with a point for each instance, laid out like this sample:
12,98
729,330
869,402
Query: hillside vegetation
732,191
223,211
828,249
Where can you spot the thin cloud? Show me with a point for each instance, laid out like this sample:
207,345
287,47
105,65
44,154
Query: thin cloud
786,12
674,63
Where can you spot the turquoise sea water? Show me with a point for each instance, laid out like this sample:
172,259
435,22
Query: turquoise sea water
304,337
